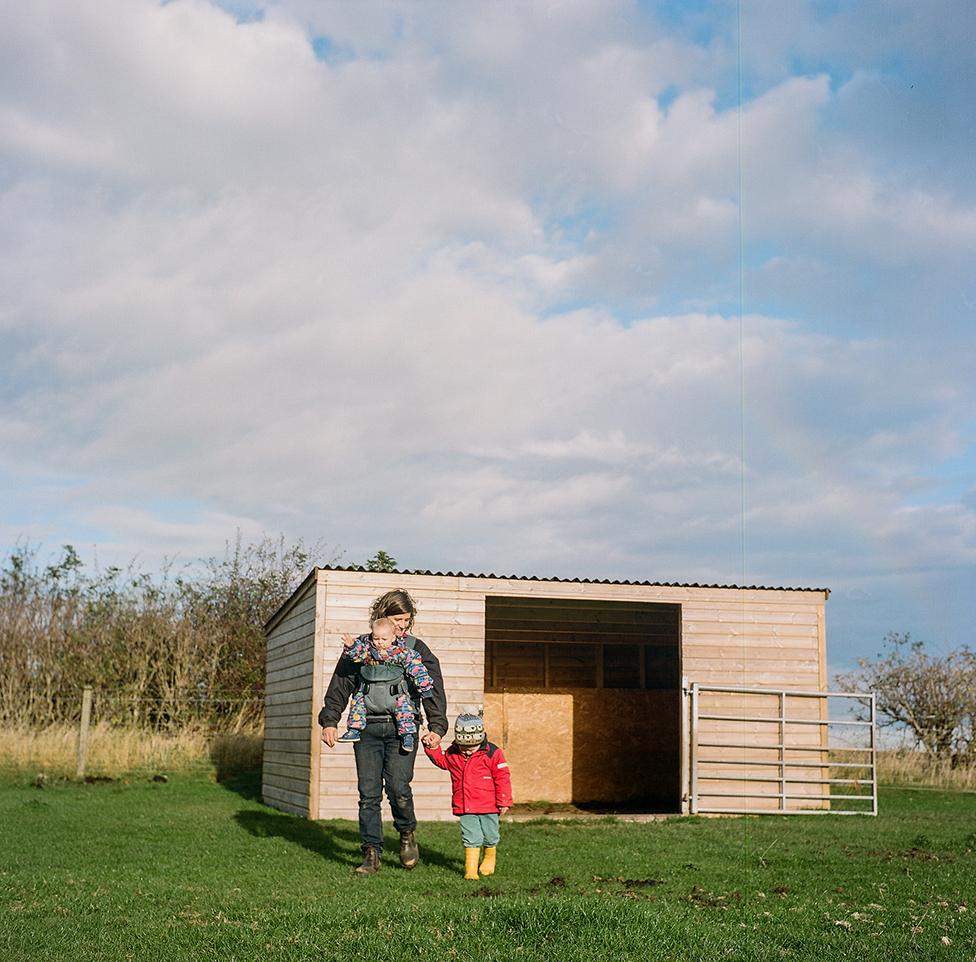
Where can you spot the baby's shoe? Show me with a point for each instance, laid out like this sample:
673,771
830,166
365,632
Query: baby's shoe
352,735
408,743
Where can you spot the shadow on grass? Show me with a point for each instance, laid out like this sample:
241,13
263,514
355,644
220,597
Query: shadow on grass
334,841
331,842
247,784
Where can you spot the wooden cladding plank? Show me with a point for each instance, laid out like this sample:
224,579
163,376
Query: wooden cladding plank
283,793
292,703
287,766
443,604
293,698
294,621
298,709
798,613
583,635
285,744
296,736
699,642
297,617
641,593
302,657
288,759
288,726
277,701
558,610
295,781
529,611
749,630
287,679
303,643
288,631
275,794
734,652
779,668
288,674
750,676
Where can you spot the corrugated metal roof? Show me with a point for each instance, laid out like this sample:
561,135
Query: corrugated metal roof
580,581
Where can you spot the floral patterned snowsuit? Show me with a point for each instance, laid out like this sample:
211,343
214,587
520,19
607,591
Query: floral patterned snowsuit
364,652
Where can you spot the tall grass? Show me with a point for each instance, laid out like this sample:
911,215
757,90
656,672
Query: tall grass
115,753
906,767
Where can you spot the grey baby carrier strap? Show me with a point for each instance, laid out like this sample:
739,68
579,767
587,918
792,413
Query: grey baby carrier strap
382,684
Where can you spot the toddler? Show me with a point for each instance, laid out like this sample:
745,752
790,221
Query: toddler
482,790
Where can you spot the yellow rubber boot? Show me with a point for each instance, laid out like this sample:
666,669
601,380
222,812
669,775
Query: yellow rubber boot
487,866
471,863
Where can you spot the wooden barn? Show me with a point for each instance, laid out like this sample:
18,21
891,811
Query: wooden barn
621,695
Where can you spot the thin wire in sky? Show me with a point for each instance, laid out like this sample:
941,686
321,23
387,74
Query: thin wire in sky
741,298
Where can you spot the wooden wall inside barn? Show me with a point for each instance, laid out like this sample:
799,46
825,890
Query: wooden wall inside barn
743,637
289,708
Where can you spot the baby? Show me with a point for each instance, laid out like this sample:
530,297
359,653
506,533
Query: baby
386,664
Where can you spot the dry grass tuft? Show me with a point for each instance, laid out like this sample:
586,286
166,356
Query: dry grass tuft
115,752
906,767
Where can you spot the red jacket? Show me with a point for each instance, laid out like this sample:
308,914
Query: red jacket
481,780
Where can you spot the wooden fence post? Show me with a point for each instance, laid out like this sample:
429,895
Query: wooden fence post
86,705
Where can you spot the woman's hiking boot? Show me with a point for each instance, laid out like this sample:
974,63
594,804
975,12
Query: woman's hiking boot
371,862
471,863
409,853
487,866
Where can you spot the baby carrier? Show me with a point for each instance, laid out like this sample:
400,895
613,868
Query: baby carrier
381,684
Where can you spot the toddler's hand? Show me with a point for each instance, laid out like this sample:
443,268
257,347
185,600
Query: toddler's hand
502,810
348,640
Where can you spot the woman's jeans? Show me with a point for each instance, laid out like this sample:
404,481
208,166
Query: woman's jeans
380,764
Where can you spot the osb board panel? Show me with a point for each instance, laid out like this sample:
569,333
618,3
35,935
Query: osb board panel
558,749
536,732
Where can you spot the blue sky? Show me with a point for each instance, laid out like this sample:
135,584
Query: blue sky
663,291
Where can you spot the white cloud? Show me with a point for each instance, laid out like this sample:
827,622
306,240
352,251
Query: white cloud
402,298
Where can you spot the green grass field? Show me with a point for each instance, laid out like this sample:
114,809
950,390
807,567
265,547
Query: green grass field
191,869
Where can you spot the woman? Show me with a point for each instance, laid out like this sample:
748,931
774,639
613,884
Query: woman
380,762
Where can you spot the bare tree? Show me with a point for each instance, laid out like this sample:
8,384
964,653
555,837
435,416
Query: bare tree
932,697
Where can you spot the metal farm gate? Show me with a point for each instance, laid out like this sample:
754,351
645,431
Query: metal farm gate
771,751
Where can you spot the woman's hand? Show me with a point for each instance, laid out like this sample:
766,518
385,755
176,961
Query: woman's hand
329,736
431,740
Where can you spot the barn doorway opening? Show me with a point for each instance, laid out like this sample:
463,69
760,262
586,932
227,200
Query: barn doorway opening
586,698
